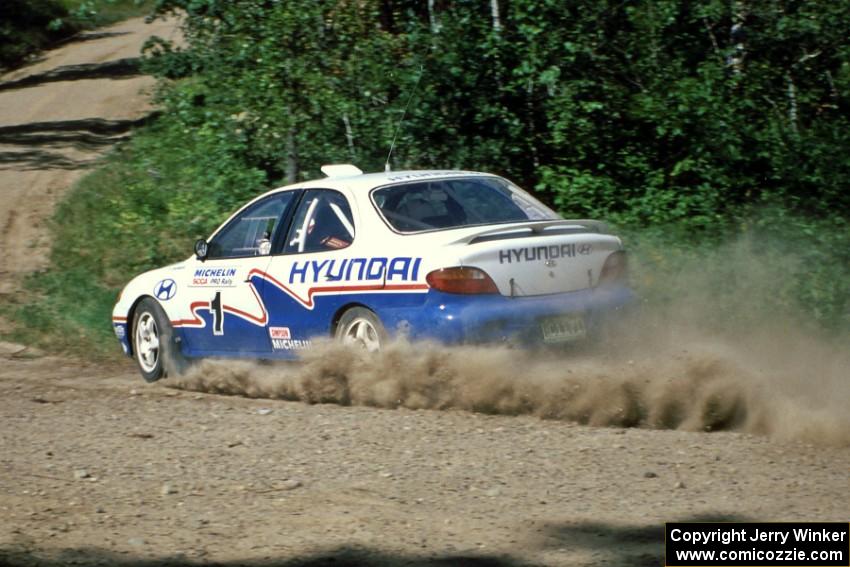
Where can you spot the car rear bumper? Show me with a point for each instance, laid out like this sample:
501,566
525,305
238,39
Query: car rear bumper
451,318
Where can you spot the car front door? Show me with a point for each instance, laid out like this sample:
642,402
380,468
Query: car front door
225,313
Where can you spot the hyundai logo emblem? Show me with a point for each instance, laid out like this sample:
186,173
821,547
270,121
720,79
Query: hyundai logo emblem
585,249
165,290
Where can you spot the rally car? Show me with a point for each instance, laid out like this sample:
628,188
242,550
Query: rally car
455,256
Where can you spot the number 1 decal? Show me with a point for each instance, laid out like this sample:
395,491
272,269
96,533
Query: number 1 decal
218,314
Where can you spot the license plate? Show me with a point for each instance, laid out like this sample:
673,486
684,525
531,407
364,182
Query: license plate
563,329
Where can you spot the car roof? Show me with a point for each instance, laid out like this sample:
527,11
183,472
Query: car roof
366,181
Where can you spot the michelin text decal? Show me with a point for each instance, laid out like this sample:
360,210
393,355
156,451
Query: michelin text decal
214,277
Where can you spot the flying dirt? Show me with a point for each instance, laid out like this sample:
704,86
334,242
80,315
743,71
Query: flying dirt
693,387
760,372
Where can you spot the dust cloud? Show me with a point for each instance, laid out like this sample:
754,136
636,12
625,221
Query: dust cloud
704,388
711,356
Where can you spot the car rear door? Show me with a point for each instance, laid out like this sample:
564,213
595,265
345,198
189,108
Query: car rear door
315,266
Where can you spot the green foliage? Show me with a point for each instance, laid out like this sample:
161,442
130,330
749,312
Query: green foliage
650,111
687,124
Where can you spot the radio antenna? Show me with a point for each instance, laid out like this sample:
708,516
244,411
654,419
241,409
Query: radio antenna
401,121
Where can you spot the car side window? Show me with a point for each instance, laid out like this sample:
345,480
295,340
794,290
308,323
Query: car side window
322,222
251,232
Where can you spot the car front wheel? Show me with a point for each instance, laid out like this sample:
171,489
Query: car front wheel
360,327
155,353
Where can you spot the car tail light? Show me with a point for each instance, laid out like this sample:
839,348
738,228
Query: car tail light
462,280
614,270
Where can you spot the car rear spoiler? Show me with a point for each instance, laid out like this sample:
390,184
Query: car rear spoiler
537,228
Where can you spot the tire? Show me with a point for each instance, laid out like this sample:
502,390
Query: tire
360,327
154,350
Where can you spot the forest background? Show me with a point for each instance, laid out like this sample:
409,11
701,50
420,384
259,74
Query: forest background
713,135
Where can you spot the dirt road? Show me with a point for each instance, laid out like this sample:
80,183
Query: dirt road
57,116
98,468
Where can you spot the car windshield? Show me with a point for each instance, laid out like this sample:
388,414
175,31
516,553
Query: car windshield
455,203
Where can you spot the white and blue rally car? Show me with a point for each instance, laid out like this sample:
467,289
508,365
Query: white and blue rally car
454,256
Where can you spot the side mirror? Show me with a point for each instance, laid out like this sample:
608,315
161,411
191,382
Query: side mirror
201,249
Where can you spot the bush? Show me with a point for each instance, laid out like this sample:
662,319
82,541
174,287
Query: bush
27,26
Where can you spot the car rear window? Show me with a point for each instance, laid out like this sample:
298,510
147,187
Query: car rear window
452,203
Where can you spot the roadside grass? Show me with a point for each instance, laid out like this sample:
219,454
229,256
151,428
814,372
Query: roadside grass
67,307
769,267
65,312
142,208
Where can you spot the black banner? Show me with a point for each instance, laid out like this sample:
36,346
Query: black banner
815,544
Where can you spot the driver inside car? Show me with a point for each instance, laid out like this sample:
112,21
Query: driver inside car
327,231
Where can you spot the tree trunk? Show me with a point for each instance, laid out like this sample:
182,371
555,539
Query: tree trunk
432,18
349,137
792,102
737,37
291,158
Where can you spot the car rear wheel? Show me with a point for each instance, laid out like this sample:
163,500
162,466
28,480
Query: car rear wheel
156,354
360,327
